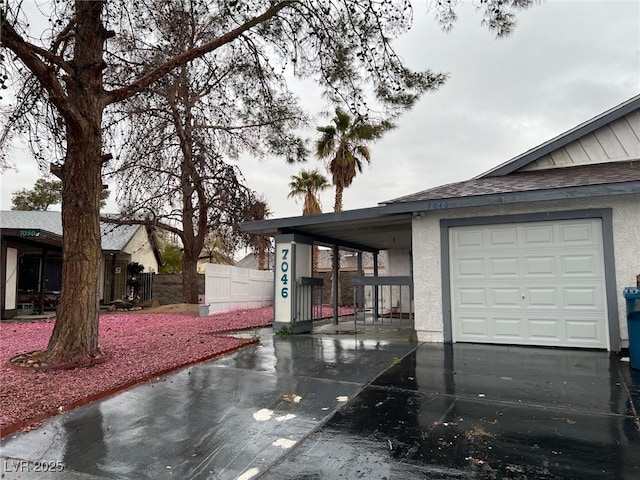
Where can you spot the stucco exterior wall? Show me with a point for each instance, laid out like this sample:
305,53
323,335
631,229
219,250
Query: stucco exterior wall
427,267
141,251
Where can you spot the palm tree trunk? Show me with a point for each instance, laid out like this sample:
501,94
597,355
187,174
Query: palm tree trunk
316,254
337,206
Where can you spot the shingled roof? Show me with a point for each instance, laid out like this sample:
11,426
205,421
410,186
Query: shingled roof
114,237
578,176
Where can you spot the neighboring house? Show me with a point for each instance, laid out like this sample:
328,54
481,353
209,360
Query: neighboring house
349,262
535,251
251,262
206,258
31,244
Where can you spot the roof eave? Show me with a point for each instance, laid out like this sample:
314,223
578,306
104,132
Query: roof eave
272,226
560,193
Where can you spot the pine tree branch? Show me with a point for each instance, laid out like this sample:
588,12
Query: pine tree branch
185,57
30,55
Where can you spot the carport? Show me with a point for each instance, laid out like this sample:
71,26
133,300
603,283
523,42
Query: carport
363,230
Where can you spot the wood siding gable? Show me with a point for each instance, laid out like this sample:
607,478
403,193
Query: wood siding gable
615,142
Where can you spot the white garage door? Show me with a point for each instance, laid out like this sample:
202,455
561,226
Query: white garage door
536,283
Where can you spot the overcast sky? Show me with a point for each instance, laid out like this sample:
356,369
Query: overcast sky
566,62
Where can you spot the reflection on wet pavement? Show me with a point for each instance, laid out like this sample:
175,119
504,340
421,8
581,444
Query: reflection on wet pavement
482,412
366,406
221,419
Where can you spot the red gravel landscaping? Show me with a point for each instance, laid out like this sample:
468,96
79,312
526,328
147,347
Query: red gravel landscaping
143,346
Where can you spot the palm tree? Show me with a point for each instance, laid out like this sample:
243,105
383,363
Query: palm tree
345,144
308,185
259,210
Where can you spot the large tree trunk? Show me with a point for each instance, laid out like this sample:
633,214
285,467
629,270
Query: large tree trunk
189,277
74,339
75,335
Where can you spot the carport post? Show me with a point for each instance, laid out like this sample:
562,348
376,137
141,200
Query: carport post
375,288
360,290
336,282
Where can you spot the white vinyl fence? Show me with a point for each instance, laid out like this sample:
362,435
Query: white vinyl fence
229,288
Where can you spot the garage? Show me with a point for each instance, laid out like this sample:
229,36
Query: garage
532,283
535,251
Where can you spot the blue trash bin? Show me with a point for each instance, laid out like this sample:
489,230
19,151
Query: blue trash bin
632,296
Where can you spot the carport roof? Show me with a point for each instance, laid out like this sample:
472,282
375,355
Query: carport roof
388,225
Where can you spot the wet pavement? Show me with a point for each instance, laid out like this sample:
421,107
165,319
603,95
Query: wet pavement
355,403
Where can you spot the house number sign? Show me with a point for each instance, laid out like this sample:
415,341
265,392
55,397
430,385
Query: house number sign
283,281
284,272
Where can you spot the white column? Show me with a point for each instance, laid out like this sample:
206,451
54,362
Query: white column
292,261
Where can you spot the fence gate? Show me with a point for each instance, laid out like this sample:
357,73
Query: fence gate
386,300
146,286
309,298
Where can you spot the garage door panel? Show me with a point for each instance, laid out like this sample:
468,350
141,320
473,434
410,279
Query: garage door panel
583,298
504,237
504,267
540,265
506,297
583,332
470,267
469,238
580,265
536,283
546,329
472,297
509,329
542,297
578,233
474,327
537,235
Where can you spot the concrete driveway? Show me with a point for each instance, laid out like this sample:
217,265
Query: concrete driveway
344,403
